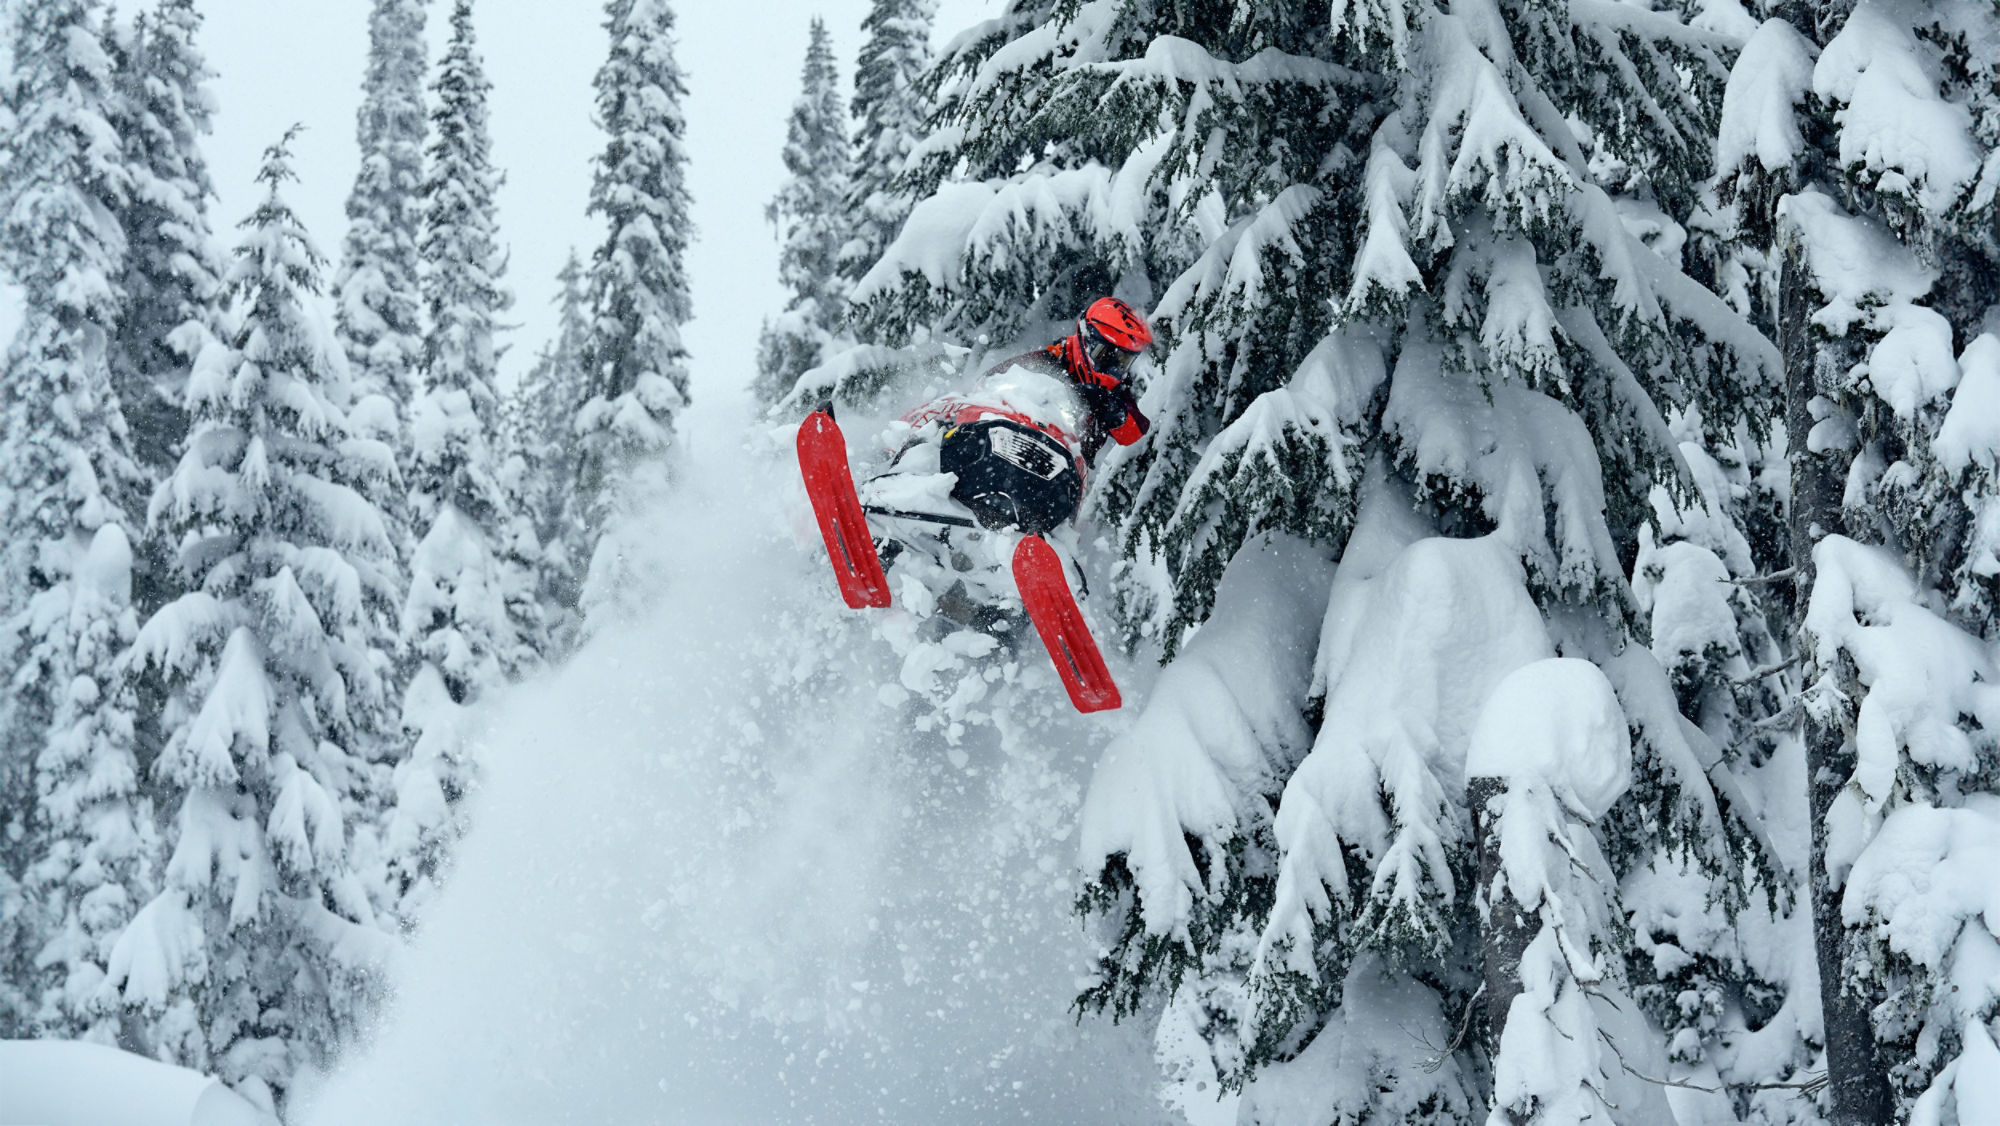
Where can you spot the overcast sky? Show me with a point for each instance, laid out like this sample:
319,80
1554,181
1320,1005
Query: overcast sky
284,61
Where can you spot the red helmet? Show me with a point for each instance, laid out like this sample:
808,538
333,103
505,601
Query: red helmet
1112,334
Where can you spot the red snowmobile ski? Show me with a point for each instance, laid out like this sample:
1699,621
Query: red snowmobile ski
1045,592
823,463
996,469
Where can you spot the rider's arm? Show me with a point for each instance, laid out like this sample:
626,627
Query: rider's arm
1117,412
1134,426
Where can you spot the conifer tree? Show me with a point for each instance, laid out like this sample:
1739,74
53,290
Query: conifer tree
634,361
99,850
378,306
1729,977
1403,317
255,958
889,108
810,212
74,837
377,294
1861,143
539,426
175,264
469,613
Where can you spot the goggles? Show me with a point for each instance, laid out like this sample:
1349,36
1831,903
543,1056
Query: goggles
1103,356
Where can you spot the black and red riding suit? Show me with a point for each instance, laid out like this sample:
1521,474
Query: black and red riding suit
1114,412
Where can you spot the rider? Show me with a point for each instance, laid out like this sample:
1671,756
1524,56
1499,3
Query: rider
1097,357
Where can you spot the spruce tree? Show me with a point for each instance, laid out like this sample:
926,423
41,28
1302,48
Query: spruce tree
1725,971
540,417
98,847
1859,144
72,830
634,361
468,590
889,109
378,306
175,264
256,957
1402,318
810,212
377,294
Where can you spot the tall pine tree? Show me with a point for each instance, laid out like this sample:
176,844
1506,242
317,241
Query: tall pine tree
255,958
471,610
72,831
1861,146
378,307
889,109
539,417
377,294
176,263
810,212
1407,315
634,361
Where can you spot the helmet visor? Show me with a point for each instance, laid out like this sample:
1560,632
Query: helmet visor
1104,357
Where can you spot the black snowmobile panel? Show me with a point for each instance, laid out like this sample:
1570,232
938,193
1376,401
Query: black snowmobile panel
1011,475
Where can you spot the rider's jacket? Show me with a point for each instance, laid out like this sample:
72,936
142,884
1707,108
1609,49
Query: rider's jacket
1114,413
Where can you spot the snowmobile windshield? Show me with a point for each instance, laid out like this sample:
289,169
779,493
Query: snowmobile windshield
1045,399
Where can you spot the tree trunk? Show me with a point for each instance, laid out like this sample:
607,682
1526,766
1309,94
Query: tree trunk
1856,1079
1507,929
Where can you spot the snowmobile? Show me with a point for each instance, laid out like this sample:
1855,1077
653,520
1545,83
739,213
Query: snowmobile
977,502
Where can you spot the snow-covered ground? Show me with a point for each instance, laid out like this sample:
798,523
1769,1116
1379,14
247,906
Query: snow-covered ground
66,1083
720,874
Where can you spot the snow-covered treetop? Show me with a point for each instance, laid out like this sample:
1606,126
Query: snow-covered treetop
176,263
462,257
378,295
635,360
264,400
889,111
176,78
810,213
61,154
65,462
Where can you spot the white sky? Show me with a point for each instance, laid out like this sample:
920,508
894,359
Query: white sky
285,61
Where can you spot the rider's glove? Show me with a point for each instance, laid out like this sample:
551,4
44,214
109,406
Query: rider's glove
1117,412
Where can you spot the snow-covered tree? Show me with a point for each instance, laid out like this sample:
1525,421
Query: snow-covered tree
254,959
1408,315
810,213
378,300
378,303
99,850
175,262
889,109
1862,144
472,612
539,418
634,361
73,839
1729,978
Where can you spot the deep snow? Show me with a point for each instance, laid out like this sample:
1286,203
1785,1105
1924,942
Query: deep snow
71,1083
717,874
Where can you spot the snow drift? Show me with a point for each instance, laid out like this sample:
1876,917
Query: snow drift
720,873
71,1083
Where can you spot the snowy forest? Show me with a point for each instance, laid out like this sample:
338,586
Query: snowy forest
1557,602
